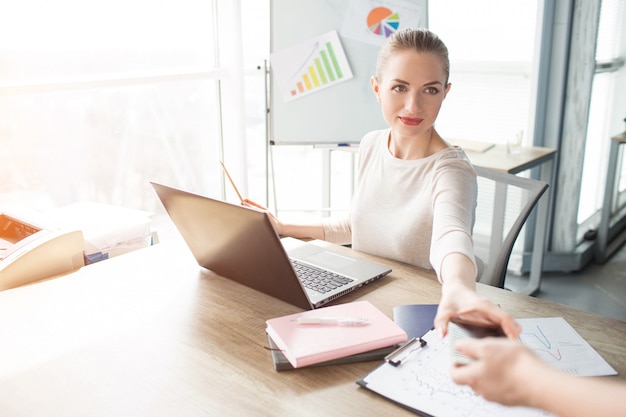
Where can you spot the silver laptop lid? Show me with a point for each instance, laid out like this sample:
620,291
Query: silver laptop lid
235,242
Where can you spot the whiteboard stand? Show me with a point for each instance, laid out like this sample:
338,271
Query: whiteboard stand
269,159
327,164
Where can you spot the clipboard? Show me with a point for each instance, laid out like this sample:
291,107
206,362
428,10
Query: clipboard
421,383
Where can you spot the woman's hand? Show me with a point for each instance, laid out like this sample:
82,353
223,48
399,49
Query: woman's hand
460,301
278,226
303,230
250,203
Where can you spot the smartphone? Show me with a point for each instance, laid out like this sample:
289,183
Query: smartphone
460,329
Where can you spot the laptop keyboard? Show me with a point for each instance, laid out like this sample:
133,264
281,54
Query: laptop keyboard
318,279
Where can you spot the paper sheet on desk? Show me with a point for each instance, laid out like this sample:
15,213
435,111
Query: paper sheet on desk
423,383
556,342
472,145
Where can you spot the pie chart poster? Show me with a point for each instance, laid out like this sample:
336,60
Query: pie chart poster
382,18
333,112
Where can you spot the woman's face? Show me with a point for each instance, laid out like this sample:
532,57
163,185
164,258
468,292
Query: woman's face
411,90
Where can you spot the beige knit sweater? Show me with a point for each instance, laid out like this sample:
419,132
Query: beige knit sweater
412,211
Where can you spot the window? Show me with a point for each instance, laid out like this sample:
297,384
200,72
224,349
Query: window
492,52
98,98
605,119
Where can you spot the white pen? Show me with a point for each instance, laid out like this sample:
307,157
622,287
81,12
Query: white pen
337,321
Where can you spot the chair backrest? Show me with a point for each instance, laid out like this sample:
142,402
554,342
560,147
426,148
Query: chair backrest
504,203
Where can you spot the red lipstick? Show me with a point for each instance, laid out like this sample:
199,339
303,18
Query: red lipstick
411,121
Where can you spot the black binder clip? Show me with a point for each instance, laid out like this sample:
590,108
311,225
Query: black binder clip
396,357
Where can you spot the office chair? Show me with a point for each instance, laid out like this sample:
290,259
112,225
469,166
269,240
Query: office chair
504,203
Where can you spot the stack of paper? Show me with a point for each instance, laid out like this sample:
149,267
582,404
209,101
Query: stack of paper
108,230
328,333
282,364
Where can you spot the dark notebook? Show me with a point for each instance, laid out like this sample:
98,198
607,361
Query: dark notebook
282,364
415,319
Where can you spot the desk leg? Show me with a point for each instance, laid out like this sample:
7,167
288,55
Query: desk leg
539,242
602,237
326,183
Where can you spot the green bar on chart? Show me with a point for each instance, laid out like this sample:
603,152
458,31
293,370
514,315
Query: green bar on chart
329,70
320,70
333,58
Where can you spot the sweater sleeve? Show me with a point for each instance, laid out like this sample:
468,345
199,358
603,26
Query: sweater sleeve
337,230
454,205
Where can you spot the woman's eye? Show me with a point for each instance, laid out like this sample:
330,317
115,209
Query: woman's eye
399,88
432,90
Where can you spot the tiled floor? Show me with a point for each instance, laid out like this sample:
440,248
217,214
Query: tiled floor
597,288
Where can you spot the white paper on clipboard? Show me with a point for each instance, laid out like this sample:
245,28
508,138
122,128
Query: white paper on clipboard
422,382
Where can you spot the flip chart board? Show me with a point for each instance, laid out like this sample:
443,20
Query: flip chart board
323,54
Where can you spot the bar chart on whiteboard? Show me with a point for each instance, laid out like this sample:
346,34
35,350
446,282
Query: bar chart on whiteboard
310,66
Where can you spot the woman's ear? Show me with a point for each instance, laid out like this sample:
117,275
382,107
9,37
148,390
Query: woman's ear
447,90
375,87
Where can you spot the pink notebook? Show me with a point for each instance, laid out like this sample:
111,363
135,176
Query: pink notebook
306,344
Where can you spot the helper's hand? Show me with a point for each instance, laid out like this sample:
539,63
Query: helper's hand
503,370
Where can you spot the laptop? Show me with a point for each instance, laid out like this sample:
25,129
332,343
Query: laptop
241,244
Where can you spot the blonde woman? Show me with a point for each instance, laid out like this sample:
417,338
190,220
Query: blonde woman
415,196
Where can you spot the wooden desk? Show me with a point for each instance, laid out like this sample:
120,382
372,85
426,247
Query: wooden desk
150,334
499,159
